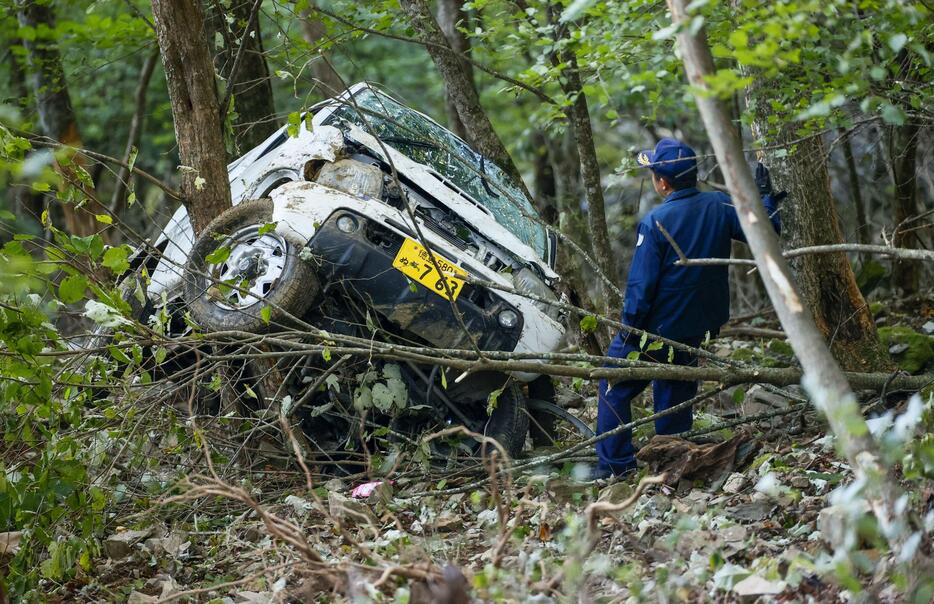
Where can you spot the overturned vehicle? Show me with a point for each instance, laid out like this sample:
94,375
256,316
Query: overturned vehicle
369,222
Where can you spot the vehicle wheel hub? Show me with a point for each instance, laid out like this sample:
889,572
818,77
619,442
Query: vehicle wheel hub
251,271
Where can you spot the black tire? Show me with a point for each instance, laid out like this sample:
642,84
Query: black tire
509,422
550,424
291,294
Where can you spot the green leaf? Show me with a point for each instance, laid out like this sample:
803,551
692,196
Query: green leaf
134,152
266,314
643,339
295,119
219,255
656,345
266,228
898,41
739,395
71,289
326,354
893,115
444,379
739,39
588,323
119,355
633,356
115,259
104,218
492,400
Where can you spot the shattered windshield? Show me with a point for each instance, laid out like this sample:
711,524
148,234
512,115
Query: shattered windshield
425,142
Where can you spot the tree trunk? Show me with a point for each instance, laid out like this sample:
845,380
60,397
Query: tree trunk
53,105
459,86
579,115
118,199
250,85
189,74
827,281
862,224
450,14
20,197
822,376
903,151
544,182
327,80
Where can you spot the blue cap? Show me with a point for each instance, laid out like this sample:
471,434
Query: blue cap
672,160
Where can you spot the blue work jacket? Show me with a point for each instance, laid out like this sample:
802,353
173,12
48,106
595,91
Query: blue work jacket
681,302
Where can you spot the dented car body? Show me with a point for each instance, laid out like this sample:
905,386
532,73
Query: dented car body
392,211
308,211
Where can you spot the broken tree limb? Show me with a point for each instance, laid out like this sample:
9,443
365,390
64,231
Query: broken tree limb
881,250
823,377
884,250
467,360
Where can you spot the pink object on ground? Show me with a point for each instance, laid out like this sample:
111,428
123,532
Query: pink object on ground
366,489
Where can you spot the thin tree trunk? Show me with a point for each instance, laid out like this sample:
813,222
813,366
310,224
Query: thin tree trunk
579,115
250,86
544,182
118,199
53,105
327,80
903,151
459,85
827,281
20,198
862,225
450,14
823,378
189,74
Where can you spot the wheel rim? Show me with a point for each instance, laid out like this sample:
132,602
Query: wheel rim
252,270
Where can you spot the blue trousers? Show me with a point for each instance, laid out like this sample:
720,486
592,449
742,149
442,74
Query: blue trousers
617,453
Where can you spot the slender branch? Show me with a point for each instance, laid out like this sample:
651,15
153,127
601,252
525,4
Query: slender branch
43,141
232,78
133,137
883,250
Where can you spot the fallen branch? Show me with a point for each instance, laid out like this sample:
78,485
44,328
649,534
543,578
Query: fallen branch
592,511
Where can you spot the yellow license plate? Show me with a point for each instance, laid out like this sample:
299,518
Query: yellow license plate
414,262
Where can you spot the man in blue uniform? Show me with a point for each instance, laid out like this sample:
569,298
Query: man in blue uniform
681,303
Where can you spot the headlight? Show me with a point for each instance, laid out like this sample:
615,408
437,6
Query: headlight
508,319
527,282
347,223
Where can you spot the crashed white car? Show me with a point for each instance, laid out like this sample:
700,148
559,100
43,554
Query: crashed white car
367,218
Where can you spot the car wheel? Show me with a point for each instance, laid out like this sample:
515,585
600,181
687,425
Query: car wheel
509,422
228,289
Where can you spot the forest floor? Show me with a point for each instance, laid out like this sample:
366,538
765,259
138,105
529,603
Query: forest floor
747,526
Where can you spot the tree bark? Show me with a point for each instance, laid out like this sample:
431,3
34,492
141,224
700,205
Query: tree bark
827,281
544,182
57,118
862,224
822,376
579,116
118,199
20,197
903,151
250,86
327,80
189,73
450,14
459,86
